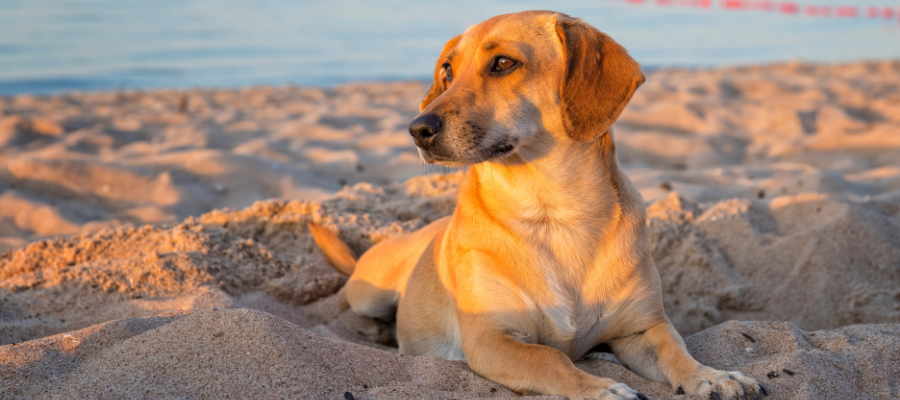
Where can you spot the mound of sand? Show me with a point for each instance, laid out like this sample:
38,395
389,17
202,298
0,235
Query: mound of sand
784,259
818,261
59,285
219,353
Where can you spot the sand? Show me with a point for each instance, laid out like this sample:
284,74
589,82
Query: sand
79,163
158,243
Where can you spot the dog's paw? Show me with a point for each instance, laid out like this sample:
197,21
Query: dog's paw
607,389
720,385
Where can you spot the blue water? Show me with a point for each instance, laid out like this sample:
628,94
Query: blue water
52,46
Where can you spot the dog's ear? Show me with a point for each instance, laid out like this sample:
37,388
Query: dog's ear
599,80
440,83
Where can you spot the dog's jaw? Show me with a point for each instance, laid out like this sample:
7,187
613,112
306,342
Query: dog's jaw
428,158
475,155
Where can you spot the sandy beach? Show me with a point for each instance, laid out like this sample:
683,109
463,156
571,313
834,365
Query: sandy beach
156,242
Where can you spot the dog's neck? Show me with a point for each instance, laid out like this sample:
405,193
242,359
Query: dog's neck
571,185
566,181
567,200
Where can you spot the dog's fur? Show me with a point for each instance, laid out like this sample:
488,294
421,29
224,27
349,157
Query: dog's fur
546,255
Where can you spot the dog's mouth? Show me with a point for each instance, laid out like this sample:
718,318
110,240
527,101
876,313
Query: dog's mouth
495,151
498,150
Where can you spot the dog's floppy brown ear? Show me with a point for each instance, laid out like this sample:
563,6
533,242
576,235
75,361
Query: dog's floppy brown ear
599,80
437,86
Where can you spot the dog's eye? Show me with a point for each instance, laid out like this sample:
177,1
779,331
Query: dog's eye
503,64
448,71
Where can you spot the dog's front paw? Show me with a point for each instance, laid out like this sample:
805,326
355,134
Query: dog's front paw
721,385
607,389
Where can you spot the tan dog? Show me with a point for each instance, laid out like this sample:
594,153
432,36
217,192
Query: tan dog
546,255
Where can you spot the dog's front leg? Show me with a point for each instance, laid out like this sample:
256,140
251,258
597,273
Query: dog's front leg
659,354
531,368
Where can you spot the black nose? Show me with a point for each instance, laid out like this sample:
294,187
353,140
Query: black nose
425,127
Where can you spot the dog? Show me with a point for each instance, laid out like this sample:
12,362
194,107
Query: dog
547,253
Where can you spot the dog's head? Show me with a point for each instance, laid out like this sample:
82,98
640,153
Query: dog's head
522,81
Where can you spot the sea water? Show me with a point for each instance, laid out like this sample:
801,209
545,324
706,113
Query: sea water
52,46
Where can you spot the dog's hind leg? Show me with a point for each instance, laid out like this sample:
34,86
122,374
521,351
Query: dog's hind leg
379,277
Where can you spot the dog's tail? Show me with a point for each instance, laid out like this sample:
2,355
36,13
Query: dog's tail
336,251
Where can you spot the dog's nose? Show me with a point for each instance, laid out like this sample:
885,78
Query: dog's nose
425,127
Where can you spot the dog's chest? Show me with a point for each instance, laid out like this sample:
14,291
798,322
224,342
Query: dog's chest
570,325
570,320
570,296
